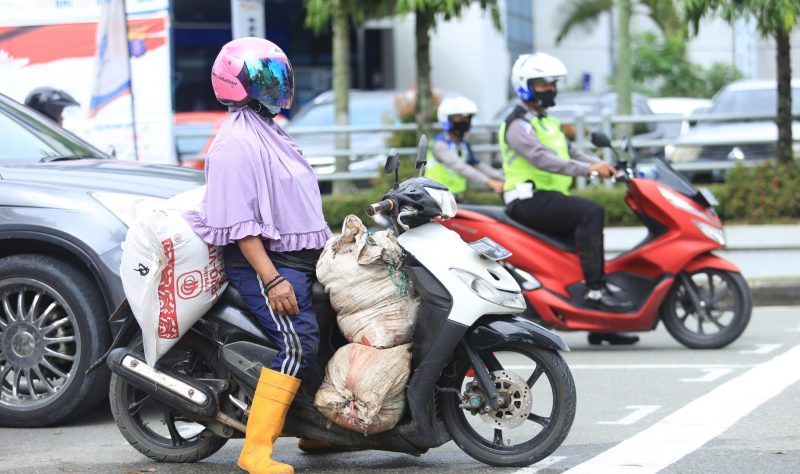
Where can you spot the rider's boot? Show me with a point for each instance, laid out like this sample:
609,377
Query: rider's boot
597,294
613,338
271,401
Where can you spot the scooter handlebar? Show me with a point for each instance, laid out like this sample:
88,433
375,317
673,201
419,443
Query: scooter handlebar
379,207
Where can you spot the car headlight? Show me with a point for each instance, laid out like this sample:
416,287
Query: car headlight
445,200
124,206
685,154
714,233
485,290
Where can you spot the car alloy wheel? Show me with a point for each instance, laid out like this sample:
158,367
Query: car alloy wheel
39,341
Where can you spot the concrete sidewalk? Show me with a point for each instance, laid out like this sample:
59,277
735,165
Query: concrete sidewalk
768,255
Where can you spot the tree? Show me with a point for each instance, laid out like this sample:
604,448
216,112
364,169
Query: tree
340,13
584,14
426,12
660,68
774,18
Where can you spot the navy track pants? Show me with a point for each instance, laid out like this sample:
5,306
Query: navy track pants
297,336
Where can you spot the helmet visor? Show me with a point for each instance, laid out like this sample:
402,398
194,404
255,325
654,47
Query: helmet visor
270,81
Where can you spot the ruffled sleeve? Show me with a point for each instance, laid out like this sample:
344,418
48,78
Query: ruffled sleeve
235,205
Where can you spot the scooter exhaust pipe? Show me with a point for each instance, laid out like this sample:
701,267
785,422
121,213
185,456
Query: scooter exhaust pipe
169,387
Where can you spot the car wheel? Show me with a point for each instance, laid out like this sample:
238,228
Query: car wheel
52,327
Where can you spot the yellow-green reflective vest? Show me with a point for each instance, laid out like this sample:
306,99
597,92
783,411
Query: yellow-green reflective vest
436,171
519,170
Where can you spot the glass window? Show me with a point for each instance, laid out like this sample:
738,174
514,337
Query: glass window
755,102
26,139
362,112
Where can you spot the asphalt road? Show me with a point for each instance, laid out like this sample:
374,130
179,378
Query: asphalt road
653,407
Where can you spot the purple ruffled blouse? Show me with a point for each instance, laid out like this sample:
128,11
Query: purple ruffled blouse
259,184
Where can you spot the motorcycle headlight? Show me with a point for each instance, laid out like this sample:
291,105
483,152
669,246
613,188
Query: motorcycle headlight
714,233
485,290
679,201
445,200
124,206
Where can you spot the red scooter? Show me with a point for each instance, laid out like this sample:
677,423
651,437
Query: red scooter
672,275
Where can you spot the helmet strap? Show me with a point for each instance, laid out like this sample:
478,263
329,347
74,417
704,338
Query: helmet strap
260,109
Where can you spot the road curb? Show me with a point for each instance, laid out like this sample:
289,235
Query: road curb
775,291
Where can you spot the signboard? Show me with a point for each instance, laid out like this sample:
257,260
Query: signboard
53,43
248,18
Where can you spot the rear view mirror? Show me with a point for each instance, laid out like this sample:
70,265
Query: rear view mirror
699,111
422,151
392,162
600,140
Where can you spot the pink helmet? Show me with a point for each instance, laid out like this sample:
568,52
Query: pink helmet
253,69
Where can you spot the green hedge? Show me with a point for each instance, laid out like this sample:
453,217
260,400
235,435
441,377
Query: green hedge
767,193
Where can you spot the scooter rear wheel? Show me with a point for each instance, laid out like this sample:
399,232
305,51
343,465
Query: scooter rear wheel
726,304
155,430
539,386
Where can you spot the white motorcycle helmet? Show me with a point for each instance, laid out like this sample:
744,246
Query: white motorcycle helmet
529,67
450,106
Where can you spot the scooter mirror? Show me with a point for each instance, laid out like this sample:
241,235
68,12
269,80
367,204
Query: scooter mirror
392,162
600,140
422,151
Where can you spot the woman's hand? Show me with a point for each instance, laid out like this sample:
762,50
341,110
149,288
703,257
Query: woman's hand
282,299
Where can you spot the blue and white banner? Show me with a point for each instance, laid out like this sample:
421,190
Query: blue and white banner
112,78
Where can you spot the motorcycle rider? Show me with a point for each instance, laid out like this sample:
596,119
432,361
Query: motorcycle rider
263,204
450,159
539,166
50,102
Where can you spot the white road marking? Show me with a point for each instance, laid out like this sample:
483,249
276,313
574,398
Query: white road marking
639,412
710,376
794,329
656,366
543,464
698,422
761,349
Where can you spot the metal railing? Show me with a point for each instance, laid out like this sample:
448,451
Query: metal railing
484,140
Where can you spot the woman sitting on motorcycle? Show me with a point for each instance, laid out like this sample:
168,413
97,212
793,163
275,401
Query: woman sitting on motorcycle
263,204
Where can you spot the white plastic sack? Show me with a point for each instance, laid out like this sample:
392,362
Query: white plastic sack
368,288
170,276
364,387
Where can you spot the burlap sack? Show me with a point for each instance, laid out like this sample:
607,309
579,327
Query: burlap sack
364,387
368,288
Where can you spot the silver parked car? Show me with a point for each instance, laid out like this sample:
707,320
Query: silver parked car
367,108
64,209
737,140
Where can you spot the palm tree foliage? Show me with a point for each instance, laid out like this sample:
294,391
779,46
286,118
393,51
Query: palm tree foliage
584,15
776,19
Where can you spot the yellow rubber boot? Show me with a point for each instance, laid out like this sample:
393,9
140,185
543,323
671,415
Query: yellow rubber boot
271,401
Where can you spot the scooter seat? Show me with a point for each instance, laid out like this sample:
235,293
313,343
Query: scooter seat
233,298
498,213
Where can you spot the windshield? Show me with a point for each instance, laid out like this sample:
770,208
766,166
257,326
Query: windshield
363,111
754,102
26,138
660,171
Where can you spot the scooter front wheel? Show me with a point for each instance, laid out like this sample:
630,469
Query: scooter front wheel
707,309
536,417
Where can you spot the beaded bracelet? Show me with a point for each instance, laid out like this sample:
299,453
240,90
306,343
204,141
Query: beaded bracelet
273,279
275,282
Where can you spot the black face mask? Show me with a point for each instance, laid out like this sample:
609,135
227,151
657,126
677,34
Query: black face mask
545,99
459,129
